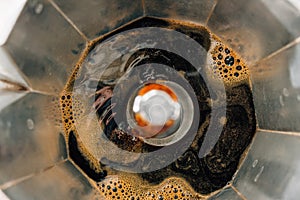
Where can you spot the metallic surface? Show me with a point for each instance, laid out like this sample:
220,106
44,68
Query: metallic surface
46,43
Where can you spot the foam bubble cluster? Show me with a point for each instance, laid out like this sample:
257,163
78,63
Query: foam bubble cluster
226,64
71,109
122,187
53,112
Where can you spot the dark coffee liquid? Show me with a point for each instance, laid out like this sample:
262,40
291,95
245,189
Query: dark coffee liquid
205,159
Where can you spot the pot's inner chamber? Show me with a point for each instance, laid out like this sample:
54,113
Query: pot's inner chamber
158,109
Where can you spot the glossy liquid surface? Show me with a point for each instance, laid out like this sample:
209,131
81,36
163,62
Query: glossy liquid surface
99,134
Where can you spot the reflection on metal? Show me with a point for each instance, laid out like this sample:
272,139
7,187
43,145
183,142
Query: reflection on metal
294,67
3,196
12,84
9,12
7,85
157,109
259,174
9,71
